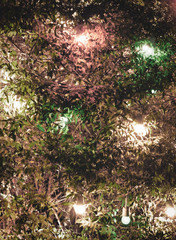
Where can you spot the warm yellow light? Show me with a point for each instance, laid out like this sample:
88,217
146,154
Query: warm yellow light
80,209
140,129
171,212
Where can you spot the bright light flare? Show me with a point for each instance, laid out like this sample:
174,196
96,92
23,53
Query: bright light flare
80,209
171,212
140,129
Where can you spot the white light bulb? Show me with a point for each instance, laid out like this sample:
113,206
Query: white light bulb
147,50
140,129
81,39
125,220
80,209
153,91
171,212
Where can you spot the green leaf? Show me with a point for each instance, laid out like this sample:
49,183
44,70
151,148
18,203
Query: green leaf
40,128
79,147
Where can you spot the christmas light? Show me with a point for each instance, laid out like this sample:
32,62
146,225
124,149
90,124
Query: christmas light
170,209
140,129
125,214
80,209
81,39
171,212
125,220
146,50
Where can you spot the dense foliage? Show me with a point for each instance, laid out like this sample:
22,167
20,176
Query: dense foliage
77,77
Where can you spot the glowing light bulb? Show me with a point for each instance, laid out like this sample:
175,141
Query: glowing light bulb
80,209
140,129
81,39
171,212
153,91
147,50
125,220
125,215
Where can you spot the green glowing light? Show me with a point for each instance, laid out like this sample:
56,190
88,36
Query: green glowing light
146,50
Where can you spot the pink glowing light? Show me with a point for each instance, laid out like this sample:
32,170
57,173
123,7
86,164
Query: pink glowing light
81,39
91,38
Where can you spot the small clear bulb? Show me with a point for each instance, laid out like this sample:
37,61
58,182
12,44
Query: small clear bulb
125,216
140,129
82,39
171,212
80,209
147,50
125,220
